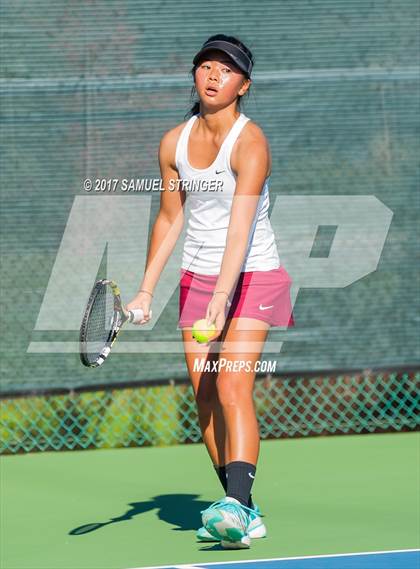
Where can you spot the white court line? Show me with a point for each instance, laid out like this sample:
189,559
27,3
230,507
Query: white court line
202,564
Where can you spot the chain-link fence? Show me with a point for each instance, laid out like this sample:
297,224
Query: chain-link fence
144,415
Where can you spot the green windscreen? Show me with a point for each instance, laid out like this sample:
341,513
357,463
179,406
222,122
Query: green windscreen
88,90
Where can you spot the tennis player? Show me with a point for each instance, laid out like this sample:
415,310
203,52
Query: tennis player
231,272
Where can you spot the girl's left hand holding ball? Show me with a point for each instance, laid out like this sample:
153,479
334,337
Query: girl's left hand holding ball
202,332
215,314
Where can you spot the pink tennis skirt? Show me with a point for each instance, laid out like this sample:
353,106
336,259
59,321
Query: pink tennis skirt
264,295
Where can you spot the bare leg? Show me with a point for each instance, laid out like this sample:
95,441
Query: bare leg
210,413
235,388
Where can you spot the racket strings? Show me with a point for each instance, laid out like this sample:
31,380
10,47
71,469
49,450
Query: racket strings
100,324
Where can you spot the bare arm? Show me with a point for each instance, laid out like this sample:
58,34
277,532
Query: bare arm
253,161
167,226
170,219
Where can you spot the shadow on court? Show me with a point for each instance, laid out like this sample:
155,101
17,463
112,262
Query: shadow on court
181,510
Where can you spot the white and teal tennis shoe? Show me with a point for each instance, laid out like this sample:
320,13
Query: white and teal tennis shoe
231,523
256,528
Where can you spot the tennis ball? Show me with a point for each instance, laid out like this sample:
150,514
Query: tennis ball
202,332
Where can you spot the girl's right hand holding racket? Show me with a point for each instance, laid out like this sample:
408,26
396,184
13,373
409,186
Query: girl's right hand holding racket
142,300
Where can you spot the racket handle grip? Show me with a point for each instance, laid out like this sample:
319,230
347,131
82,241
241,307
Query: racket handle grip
137,315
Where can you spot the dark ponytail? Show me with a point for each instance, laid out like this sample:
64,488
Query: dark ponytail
195,109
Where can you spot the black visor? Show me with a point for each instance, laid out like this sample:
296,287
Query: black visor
239,57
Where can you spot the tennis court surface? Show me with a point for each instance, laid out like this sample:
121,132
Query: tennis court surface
140,507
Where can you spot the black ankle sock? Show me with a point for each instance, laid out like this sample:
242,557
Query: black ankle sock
250,502
240,476
221,473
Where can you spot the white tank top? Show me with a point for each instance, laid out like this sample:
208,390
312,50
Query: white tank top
208,211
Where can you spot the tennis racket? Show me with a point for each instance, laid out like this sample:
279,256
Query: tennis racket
102,321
